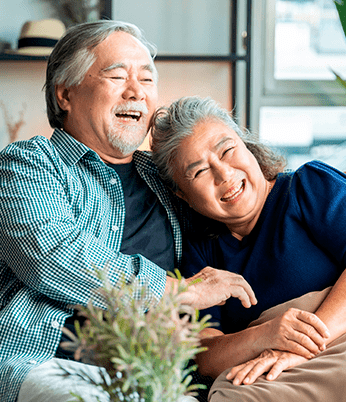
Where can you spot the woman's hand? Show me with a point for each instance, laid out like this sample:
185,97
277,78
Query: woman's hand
272,361
295,331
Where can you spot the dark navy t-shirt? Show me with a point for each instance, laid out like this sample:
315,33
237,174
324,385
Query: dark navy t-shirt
147,229
297,246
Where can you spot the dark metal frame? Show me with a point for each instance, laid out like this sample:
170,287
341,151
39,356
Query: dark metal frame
232,58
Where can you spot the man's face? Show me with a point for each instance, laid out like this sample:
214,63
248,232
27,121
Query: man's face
110,110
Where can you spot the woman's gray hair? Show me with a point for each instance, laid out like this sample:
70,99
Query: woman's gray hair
72,57
170,126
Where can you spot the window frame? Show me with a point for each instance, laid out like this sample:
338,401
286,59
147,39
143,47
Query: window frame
268,91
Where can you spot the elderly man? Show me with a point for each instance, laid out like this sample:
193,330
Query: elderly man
86,196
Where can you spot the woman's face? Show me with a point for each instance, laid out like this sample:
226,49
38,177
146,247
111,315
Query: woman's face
219,177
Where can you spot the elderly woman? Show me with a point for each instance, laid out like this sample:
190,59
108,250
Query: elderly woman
283,232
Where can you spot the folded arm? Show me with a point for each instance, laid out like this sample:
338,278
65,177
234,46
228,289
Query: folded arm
332,312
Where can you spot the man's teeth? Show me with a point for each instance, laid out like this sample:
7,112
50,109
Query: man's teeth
235,193
129,115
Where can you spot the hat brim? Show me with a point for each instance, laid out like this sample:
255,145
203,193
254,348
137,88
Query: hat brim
31,51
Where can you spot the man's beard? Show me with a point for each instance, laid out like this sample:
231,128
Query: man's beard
126,138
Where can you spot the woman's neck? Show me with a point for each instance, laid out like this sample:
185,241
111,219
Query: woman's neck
244,229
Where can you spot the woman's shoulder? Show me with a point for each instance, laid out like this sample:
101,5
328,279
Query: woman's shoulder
315,173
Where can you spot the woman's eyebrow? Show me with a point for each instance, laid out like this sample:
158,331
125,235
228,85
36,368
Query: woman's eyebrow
193,165
215,148
222,142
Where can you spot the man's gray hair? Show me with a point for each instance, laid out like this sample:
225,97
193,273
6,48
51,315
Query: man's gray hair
72,57
170,126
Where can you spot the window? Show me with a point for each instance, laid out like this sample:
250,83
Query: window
301,109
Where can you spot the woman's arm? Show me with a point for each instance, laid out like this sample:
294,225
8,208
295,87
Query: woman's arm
296,331
332,312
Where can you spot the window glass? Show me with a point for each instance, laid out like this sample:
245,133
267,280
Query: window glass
180,27
306,133
309,40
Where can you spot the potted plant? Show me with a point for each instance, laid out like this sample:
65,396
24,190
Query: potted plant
144,346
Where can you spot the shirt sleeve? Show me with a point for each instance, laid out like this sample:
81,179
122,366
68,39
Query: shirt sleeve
321,202
41,241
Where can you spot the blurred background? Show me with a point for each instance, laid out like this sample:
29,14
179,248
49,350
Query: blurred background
271,62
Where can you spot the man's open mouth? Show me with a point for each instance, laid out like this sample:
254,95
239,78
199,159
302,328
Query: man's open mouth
233,193
129,116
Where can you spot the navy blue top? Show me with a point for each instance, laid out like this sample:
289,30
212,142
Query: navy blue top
298,244
145,221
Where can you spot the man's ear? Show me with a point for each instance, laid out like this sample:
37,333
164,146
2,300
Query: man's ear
62,95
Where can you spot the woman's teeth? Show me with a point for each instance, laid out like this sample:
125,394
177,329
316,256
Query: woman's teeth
235,193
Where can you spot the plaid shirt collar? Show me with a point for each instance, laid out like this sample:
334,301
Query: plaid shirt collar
63,141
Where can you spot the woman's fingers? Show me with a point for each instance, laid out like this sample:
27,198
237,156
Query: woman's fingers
314,326
284,362
272,361
299,332
249,372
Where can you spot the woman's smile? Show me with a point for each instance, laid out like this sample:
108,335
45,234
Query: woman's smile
219,177
233,193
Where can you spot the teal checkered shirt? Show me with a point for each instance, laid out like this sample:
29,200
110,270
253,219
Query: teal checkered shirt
62,210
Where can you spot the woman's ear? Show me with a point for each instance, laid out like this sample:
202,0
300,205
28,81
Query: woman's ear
181,195
62,96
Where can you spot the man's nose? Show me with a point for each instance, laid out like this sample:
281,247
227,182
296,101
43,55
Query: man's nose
133,90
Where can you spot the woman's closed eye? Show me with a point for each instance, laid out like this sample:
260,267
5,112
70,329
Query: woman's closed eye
199,171
227,152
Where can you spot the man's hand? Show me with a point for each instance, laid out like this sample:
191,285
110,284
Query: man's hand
272,361
215,287
295,331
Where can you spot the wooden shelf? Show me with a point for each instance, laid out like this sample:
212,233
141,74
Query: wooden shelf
21,57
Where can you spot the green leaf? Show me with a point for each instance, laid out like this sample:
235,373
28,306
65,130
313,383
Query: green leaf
339,79
341,8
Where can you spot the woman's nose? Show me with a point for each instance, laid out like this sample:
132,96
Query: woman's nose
223,173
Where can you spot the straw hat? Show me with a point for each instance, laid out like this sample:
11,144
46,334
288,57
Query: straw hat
37,38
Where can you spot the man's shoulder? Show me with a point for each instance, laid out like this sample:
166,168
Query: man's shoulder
27,148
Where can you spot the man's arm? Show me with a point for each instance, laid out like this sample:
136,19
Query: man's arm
214,288
55,226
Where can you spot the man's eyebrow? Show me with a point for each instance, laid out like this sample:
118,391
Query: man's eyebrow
215,148
147,67
114,67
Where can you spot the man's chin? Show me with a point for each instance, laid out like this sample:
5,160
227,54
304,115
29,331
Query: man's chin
128,145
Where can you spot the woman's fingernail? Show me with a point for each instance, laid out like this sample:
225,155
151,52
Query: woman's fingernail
269,376
247,380
236,381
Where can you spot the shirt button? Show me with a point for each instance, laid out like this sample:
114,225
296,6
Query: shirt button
113,181
115,228
55,324
32,362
